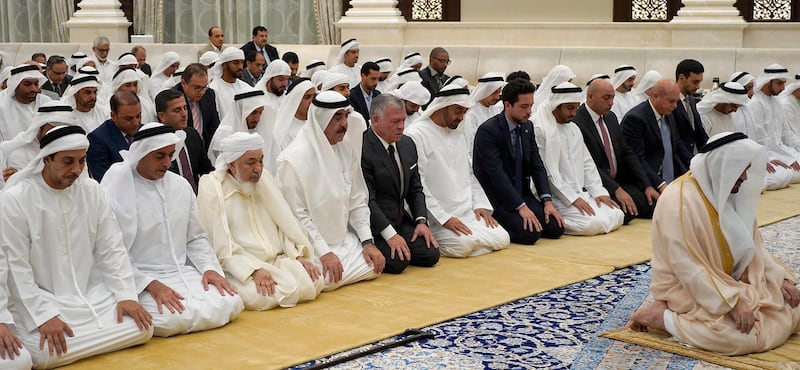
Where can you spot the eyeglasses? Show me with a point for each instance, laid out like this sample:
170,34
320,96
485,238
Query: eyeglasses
198,88
445,61
102,50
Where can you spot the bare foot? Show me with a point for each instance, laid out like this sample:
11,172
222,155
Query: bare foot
651,316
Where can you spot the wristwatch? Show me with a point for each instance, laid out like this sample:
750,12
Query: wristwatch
367,242
546,199
422,221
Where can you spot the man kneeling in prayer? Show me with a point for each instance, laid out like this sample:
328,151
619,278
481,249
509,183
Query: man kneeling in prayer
174,264
262,247
716,286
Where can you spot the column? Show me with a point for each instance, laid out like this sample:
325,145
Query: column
98,18
368,16
708,24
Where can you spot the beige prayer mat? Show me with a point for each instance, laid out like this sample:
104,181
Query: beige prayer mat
786,356
374,310
778,205
359,314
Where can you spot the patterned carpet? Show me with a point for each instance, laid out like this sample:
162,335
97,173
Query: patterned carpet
556,329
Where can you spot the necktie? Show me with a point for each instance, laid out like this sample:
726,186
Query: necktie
197,120
186,169
396,169
607,147
128,139
368,100
667,171
689,110
517,144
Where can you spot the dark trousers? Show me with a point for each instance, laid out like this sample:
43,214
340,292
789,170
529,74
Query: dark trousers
421,255
512,222
645,210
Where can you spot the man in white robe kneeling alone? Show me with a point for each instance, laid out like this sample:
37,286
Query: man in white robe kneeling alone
578,191
716,286
173,262
460,213
262,247
320,176
72,292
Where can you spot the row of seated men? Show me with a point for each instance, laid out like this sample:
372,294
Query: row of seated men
399,196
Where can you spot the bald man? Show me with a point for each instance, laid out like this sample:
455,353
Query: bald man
620,169
650,131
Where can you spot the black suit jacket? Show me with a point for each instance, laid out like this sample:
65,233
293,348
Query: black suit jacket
208,108
493,163
58,88
146,69
629,169
272,52
642,134
105,142
198,155
690,137
358,102
385,196
430,82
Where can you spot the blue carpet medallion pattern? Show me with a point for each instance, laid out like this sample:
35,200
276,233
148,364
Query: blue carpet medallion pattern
555,329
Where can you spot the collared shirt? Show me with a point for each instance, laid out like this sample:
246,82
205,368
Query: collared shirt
511,126
596,117
367,99
660,123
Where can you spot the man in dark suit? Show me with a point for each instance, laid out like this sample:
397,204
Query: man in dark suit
201,101
259,45
389,164
113,135
505,159
619,168
688,76
192,161
650,132
141,59
361,96
56,73
433,77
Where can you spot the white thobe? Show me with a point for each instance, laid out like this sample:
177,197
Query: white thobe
171,246
249,239
94,118
291,132
746,119
106,71
451,190
768,111
412,118
791,113
715,122
353,73
157,84
273,101
623,102
67,259
476,116
349,213
225,92
578,178
17,116
22,361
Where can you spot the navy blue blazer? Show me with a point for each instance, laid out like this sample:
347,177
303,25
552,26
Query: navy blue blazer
642,134
690,137
493,163
105,142
208,108
358,102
